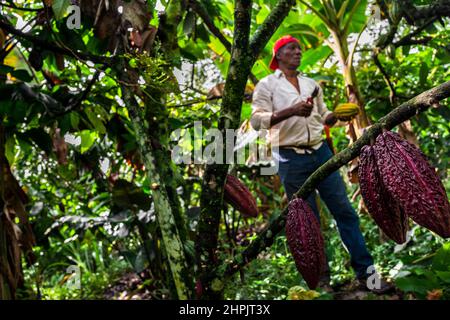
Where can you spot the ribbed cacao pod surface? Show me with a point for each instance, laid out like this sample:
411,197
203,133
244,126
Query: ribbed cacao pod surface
411,180
238,195
345,110
305,241
382,207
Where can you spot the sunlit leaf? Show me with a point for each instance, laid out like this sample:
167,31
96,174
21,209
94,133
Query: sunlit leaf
60,8
88,138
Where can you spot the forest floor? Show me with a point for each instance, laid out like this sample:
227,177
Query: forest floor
351,292
132,287
129,287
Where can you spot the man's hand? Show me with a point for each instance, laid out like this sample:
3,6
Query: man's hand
330,120
302,109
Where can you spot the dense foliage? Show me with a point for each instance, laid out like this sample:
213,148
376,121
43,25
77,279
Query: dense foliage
71,98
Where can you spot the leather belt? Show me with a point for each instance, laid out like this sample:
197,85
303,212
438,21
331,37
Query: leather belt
302,147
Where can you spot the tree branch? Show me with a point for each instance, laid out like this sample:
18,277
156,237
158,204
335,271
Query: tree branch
318,14
416,13
404,112
263,34
201,11
385,76
54,48
53,107
408,39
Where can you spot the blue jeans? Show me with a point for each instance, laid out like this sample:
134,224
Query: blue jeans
295,168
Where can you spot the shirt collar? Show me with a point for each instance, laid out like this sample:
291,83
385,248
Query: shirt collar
278,73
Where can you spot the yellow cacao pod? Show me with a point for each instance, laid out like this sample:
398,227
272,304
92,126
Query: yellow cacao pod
345,110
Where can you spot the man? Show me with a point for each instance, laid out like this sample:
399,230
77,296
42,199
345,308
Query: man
279,104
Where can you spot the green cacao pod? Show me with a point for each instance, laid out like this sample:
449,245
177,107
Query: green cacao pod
410,179
238,195
305,241
383,208
346,110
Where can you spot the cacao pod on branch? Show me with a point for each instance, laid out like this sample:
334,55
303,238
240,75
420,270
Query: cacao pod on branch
346,110
238,195
305,241
383,208
411,180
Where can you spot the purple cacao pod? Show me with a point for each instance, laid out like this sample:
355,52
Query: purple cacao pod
305,241
383,208
238,195
411,180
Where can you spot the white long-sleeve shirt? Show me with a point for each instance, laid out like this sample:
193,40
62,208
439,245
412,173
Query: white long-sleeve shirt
275,93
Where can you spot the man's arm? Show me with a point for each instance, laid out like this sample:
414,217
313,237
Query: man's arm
263,116
330,120
301,109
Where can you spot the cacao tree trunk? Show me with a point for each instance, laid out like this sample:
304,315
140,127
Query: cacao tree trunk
243,55
5,289
214,177
171,238
340,48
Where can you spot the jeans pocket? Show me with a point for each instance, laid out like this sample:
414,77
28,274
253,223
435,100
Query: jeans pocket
282,156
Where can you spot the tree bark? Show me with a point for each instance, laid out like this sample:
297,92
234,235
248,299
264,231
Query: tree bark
170,234
215,174
242,60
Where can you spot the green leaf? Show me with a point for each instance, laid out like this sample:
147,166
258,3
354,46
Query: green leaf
87,139
342,9
74,120
60,8
140,262
189,23
423,74
94,117
5,107
423,120
262,14
310,57
175,123
126,195
19,111
22,75
64,123
444,276
405,50
4,69
246,111
10,153
415,284
40,138
441,261
444,111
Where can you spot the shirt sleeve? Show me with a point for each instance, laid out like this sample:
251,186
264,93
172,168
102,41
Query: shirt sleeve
262,107
321,107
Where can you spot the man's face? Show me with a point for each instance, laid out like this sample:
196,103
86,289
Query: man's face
290,55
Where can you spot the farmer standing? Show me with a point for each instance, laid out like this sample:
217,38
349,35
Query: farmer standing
279,104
